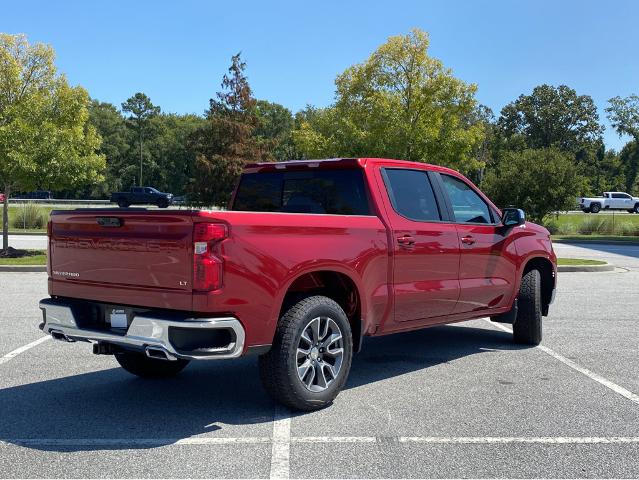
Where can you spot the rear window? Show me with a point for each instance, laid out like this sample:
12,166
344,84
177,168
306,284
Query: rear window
336,192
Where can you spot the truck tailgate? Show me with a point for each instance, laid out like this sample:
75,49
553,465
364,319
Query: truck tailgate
123,250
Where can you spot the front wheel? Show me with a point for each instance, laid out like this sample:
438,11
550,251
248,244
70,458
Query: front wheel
310,358
636,209
527,325
142,366
595,208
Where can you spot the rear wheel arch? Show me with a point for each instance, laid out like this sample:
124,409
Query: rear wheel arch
548,280
335,285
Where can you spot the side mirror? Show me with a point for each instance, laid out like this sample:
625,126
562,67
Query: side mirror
511,217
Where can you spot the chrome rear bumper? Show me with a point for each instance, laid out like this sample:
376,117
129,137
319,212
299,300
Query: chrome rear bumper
146,333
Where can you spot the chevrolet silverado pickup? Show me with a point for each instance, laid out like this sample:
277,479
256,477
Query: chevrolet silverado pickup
309,258
610,201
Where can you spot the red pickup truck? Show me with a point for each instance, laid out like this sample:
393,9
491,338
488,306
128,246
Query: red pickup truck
309,258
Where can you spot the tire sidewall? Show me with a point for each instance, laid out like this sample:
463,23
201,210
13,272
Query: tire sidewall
329,394
595,208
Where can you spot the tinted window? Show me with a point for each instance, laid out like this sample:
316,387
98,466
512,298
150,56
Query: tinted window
411,194
468,207
338,192
620,195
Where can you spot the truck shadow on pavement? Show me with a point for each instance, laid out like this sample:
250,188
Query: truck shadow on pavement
220,399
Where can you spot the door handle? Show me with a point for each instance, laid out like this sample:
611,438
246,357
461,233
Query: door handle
468,240
406,241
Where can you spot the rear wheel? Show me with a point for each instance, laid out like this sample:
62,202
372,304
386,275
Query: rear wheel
122,203
636,209
310,358
527,326
595,208
142,366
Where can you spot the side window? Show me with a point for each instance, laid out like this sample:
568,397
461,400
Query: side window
468,207
411,194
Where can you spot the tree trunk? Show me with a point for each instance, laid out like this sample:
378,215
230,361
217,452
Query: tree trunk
5,219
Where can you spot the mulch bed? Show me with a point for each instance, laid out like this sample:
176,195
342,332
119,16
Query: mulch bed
15,253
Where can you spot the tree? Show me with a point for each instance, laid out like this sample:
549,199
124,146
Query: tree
275,125
629,160
227,142
539,181
623,114
399,103
142,110
553,117
116,147
45,139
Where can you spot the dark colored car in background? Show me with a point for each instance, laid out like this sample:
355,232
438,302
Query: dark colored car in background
142,196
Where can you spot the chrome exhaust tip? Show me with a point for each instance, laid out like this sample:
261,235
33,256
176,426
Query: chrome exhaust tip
58,335
159,353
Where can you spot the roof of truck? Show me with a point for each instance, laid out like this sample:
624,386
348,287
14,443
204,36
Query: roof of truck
344,163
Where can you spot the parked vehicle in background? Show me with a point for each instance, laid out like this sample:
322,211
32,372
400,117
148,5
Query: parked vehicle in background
610,201
311,257
142,196
37,195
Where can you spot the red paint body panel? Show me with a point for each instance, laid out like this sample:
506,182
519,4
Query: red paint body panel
147,260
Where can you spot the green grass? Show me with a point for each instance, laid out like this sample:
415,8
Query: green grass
577,218
35,257
578,261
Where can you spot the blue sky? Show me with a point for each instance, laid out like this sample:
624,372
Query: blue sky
176,52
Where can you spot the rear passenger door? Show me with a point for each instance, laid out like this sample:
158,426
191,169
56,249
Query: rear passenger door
425,249
487,268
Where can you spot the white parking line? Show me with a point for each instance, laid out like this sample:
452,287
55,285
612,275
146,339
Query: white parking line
281,448
23,349
633,397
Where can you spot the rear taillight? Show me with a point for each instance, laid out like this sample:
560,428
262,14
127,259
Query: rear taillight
207,267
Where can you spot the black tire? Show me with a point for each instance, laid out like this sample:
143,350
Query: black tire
636,209
631,211
163,204
122,204
279,367
142,366
527,326
595,208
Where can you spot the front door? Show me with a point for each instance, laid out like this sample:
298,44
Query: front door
487,267
425,251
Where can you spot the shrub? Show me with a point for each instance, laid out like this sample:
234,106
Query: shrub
591,225
29,216
626,228
567,229
552,225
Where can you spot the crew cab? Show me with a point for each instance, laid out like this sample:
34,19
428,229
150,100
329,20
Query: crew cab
142,196
309,258
610,201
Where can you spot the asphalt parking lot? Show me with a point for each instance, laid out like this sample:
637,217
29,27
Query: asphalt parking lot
451,401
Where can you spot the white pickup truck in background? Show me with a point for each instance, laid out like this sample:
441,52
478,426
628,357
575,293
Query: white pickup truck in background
610,201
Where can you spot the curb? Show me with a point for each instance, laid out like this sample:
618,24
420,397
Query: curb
36,234
586,268
23,268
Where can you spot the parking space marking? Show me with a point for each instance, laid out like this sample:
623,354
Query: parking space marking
23,349
281,448
633,397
